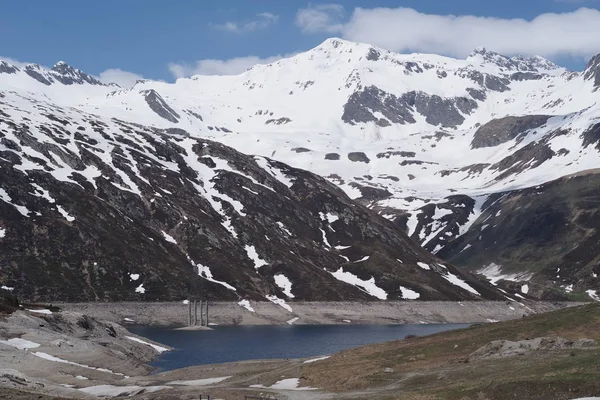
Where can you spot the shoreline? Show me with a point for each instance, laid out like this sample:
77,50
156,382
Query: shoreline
83,351
175,314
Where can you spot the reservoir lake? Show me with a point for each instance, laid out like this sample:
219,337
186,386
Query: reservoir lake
237,343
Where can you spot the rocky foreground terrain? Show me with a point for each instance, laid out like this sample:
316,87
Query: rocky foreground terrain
67,355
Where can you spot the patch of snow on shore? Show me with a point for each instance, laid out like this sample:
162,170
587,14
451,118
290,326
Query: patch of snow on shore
2,233
160,349
316,359
200,382
114,391
140,289
292,321
246,305
20,344
280,302
134,277
368,286
285,384
49,357
10,289
44,311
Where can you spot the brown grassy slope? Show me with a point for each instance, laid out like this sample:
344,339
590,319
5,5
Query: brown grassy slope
437,366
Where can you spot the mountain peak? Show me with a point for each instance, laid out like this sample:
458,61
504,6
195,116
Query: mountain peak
63,68
592,70
68,75
513,64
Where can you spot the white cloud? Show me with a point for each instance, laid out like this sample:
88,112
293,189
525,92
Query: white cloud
320,18
16,63
232,66
122,78
262,21
572,34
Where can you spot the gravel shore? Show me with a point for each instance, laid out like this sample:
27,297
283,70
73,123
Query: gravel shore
320,313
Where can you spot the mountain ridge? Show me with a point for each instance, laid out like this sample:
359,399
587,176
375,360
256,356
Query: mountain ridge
424,140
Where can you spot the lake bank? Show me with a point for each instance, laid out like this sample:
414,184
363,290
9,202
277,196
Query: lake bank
317,313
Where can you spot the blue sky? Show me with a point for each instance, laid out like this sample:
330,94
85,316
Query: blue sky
146,36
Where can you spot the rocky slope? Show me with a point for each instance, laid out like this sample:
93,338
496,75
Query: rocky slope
423,140
548,238
98,209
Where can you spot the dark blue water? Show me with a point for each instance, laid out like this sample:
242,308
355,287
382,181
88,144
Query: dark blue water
236,343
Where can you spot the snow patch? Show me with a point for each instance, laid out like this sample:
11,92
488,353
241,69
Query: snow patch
493,273
205,273
285,384
253,255
168,237
280,302
455,280
285,284
199,382
43,311
20,344
160,349
118,391
246,305
367,286
49,357
6,198
593,294
316,359
409,294
424,266
65,214
283,228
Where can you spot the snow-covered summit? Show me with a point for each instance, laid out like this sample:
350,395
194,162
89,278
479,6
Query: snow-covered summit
385,127
504,64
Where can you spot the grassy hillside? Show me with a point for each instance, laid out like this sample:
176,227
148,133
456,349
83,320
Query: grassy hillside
439,366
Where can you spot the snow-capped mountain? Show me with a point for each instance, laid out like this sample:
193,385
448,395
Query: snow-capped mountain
95,208
424,140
